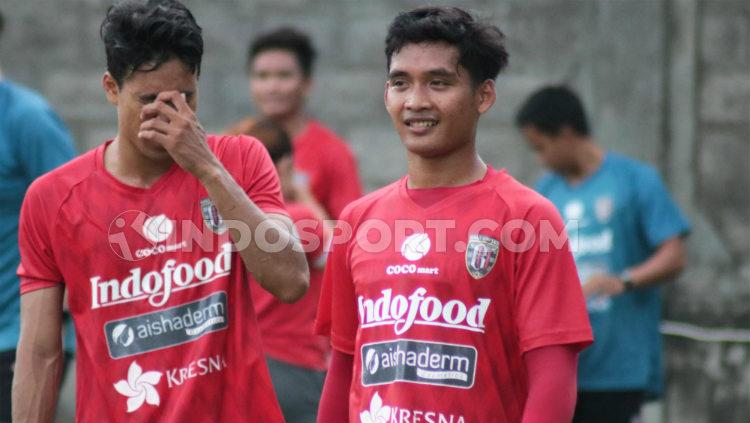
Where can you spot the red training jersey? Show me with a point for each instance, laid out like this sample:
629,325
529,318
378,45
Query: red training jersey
287,329
438,302
165,327
329,166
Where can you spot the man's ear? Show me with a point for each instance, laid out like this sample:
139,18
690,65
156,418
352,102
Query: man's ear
111,89
385,94
485,95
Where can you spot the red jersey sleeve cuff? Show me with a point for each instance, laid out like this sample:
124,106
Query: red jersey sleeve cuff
580,338
31,284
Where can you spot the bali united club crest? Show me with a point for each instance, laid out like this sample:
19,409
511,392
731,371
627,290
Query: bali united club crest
211,216
481,255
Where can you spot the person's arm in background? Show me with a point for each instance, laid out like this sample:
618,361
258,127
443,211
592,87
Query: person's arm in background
666,262
552,380
38,357
42,144
334,401
664,228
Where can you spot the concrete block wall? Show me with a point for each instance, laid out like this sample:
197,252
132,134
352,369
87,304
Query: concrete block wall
666,81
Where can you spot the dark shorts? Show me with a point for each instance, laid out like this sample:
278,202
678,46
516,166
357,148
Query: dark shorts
298,390
7,362
608,406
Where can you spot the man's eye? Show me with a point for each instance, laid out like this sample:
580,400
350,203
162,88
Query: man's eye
398,83
440,83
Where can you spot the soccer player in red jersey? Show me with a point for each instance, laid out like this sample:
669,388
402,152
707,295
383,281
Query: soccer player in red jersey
297,358
456,299
155,235
280,64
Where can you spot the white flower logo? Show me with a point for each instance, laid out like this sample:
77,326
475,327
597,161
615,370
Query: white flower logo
139,387
378,413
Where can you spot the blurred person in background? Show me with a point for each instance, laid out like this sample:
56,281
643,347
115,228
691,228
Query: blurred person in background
297,358
627,238
280,68
33,141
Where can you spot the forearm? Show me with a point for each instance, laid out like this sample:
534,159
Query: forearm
552,384
38,357
280,269
334,401
35,384
667,261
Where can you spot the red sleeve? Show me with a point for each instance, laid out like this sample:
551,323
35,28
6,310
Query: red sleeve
549,304
552,384
345,186
38,268
334,401
260,180
311,231
337,308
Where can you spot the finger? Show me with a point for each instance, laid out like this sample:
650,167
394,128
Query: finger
156,124
177,99
159,109
154,136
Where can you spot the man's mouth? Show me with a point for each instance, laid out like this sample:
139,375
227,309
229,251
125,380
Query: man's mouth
420,122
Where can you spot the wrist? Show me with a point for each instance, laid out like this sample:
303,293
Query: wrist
211,174
627,281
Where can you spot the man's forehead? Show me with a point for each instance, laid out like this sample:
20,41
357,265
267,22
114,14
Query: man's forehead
167,76
424,56
276,57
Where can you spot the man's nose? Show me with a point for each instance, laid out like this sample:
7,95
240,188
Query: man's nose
418,99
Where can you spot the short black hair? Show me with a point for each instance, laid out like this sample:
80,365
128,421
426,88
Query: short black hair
274,137
552,108
481,46
150,32
285,38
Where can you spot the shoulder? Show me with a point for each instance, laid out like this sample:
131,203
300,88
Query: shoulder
241,127
546,182
521,201
632,167
358,209
24,103
229,148
53,187
327,138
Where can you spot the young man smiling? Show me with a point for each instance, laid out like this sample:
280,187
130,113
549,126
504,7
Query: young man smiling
149,233
459,319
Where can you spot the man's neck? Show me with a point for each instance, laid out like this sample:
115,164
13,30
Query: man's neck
588,158
295,123
130,167
461,167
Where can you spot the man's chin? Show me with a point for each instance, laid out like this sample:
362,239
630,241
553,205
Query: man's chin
276,113
423,148
154,153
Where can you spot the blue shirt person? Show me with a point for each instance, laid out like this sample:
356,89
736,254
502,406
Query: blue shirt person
33,141
626,235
